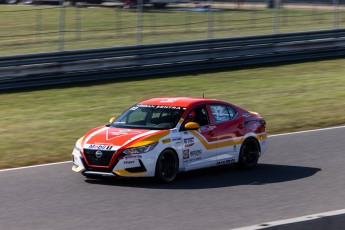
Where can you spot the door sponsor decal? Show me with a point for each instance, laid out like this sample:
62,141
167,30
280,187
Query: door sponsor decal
225,162
188,142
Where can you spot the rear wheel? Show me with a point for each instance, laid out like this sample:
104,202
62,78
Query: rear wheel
167,166
249,154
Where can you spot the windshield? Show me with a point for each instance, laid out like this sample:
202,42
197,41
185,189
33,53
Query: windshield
149,117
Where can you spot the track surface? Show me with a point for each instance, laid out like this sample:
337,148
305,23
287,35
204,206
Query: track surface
300,174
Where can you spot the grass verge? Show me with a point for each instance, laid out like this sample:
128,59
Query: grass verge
42,126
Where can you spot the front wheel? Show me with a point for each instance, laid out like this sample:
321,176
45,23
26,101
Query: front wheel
249,154
166,166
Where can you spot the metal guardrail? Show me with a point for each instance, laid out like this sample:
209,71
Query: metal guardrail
20,71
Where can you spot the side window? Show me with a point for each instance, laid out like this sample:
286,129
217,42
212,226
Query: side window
222,113
232,112
198,115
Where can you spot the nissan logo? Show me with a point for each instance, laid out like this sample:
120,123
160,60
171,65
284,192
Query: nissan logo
99,154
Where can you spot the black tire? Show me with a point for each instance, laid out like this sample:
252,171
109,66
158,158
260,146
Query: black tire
167,166
249,154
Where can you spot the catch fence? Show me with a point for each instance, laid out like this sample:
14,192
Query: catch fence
42,28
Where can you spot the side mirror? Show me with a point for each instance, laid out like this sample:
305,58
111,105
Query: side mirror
192,126
112,120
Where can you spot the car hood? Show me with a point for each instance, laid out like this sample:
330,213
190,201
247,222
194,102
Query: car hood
110,138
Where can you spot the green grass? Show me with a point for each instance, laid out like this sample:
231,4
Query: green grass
42,126
31,29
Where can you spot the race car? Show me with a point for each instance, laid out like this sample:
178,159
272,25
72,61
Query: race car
161,137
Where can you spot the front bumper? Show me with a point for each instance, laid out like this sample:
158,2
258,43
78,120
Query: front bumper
125,166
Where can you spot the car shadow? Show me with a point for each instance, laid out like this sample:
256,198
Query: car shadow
218,177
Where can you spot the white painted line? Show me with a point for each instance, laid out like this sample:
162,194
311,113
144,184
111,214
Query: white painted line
274,135
35,166
293,220
307,131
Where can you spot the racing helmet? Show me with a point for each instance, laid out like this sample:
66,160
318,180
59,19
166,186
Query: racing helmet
191,116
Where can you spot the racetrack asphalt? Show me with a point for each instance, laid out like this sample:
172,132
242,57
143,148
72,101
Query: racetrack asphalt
300,174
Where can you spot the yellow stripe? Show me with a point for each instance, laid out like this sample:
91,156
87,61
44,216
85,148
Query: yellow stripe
151,139
261,137
218,144
225,143
126,173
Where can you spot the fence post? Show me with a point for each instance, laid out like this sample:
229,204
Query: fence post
118,21
335,14
38,25
61,26
77,14
209,19
139,37
276,17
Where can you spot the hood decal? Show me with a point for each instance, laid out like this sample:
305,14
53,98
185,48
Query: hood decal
141,135
110,138
112,134
86,140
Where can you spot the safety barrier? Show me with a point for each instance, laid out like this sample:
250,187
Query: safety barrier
20,71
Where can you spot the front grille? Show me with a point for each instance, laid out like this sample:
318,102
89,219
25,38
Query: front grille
104,160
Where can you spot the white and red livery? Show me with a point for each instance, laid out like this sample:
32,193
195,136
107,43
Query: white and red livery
160,137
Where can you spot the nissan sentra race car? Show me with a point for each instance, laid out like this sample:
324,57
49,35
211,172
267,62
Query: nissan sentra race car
161,137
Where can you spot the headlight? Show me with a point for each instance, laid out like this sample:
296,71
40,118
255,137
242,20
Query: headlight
141,149
77,147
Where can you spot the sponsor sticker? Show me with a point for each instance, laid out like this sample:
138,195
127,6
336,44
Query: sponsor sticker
195,153
168,107
169,100
195,159
100,147
226,162
188,142
157,107
186,154
176,138
131,156
166,141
